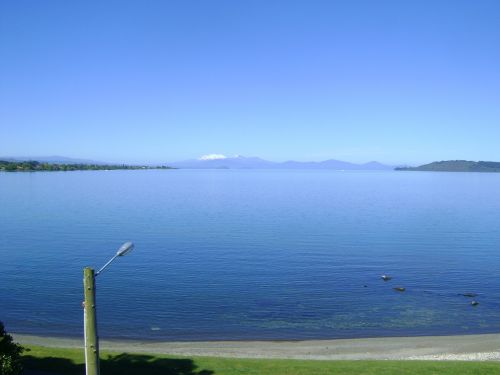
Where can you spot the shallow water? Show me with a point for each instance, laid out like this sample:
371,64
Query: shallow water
251,254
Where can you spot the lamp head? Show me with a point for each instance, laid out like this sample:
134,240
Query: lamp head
125,249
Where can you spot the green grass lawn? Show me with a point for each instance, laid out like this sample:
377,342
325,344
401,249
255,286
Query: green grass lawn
70,361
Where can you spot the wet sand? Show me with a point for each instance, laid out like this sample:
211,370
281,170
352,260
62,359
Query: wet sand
467,347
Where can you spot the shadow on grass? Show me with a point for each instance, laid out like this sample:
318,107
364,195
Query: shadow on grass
130,364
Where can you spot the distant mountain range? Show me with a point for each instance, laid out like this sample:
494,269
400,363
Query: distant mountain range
242,162
52,160
456,166
217,161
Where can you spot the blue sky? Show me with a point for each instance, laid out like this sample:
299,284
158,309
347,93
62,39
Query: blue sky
136,81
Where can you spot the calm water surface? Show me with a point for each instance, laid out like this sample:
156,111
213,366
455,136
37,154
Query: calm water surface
248,254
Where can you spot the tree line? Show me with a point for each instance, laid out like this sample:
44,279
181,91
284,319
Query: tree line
33,166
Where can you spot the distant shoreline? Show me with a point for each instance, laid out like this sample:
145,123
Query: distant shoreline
35,166
459,347
455,166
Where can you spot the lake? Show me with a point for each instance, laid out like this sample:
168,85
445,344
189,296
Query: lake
251,254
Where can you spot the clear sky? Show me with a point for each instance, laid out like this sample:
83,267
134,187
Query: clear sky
134,81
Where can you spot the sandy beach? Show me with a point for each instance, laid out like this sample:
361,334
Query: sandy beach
466,347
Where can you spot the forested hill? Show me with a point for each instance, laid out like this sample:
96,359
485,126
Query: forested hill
456,166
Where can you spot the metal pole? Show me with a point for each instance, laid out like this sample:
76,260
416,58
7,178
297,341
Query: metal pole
90,324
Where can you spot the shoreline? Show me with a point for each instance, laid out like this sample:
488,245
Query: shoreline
460,347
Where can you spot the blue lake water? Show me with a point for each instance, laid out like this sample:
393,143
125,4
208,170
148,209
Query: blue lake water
251,254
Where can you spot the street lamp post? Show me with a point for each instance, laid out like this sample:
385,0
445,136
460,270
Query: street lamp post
89,312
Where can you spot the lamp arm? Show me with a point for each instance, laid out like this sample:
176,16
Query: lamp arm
107,264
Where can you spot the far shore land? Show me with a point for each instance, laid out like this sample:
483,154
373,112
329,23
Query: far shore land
463,347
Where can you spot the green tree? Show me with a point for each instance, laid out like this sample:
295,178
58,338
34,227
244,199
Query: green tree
10,354
11,167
